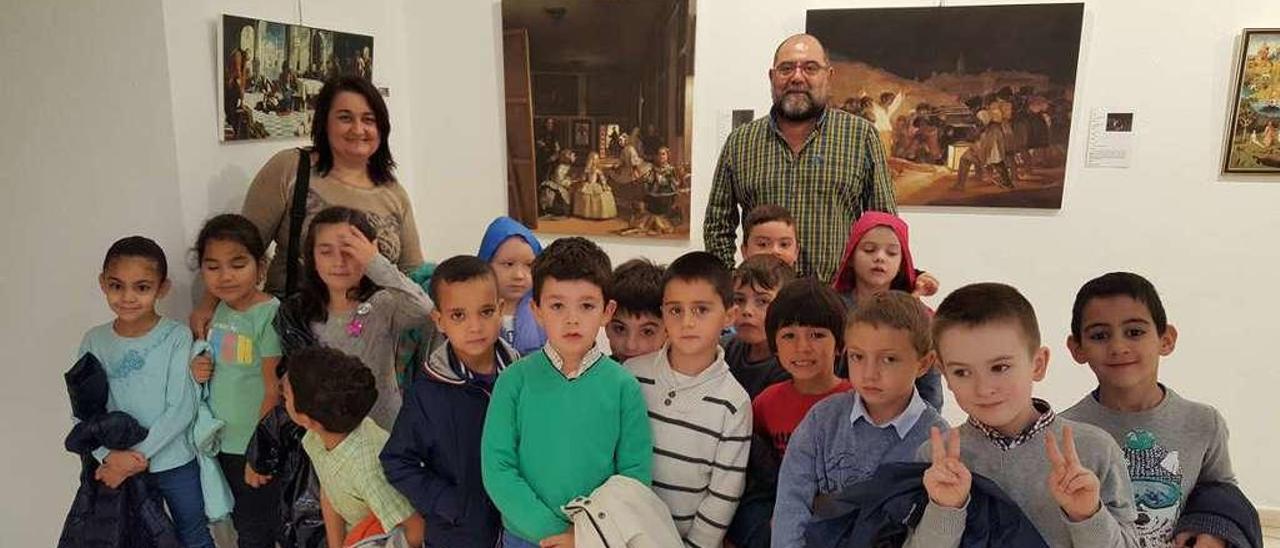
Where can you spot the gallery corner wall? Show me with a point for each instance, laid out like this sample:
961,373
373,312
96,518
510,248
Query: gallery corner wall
88,155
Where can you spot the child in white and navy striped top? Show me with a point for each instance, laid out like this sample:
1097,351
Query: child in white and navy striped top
701,416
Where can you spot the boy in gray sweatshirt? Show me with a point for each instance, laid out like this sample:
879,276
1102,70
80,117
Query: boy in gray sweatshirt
1119,328
1068,478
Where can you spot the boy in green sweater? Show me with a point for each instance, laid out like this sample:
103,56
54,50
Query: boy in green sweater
567,417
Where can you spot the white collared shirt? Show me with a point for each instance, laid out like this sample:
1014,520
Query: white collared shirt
589,359
902,424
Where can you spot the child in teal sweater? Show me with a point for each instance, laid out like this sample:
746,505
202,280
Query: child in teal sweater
145,358
567,417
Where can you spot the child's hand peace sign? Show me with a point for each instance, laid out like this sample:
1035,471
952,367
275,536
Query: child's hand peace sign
948,480
1074,487
356,246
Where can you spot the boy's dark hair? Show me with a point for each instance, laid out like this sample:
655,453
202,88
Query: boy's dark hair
983,303
765,213
230,227
806,302
141,247
572,258
456,269
764,271
896,310
1118,284
637,288
332,388
314,295
704,267
381,166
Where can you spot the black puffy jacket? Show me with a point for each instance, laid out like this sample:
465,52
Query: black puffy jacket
293,329
276,450
132,516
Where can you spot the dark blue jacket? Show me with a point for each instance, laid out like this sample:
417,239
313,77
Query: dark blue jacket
433,454
880,511
131,516
1221,510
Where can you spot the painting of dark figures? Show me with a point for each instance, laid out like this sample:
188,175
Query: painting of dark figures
605,147
973,104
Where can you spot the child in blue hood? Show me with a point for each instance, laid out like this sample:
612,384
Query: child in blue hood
510,247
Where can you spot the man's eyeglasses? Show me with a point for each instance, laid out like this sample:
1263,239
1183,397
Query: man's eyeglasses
810,69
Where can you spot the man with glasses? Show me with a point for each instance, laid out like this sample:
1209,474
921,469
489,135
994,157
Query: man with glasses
824,165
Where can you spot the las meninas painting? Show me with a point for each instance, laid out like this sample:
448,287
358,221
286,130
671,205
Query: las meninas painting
973,104
598,115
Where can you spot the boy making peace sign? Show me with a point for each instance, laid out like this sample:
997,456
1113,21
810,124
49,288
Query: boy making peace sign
1075,491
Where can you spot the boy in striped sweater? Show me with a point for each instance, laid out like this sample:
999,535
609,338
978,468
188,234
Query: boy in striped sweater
701,416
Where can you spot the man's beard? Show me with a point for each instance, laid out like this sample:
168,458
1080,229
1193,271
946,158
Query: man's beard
798,106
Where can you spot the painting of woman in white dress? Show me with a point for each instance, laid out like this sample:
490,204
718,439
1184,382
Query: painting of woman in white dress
594,199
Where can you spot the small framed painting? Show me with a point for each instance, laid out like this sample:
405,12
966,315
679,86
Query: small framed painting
1253,140
582,134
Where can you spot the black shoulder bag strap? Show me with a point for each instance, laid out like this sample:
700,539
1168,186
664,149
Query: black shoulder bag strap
297,213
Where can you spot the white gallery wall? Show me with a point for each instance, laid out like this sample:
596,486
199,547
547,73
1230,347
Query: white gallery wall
88,152
110,128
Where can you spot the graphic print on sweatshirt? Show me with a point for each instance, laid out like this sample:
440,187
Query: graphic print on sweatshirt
1157,487
135,358
230,347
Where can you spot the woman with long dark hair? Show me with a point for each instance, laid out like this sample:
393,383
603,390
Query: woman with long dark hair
349,165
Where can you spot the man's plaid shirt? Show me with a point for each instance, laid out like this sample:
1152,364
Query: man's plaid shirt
840,172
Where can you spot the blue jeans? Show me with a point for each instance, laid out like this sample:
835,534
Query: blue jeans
180,488
510,540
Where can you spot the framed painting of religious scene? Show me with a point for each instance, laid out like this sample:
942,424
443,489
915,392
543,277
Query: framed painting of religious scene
271,73
1253,137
